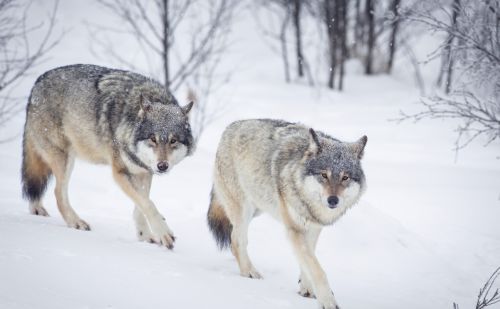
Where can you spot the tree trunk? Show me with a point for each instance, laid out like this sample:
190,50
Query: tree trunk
331,25
447,62
298,36
358,34
343,40
392,42
284,54
166,35
370,7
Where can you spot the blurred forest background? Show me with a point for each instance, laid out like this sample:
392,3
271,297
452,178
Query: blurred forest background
182,43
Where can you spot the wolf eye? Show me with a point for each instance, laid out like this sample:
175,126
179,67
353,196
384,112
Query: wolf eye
324,175
345,178
173,141
152,138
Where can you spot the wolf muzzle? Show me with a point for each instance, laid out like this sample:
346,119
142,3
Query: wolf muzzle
332,201
162,166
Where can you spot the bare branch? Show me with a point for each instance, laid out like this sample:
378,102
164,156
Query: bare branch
478,118
17,55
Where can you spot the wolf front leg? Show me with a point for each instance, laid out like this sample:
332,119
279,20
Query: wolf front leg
162,233
306,289
311,268
143,183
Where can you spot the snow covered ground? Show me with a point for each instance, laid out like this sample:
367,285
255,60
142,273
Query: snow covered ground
425,235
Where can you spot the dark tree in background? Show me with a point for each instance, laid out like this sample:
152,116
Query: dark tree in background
394,32
343,25
289,15
282,11
164,8
297,7
446,70
331,24
352,29
370,17
358,27
336,25
17,56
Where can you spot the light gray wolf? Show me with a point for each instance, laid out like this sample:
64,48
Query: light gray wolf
104,116
303,178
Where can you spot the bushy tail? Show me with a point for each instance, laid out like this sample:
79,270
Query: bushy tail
35,173
219,223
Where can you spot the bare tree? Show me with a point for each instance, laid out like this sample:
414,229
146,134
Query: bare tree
478,117
288,15
157,25
394,31
335,18
370,17
18,56
330,18
358,27
277,10
447,60
475,92
343,21
297,7
485,297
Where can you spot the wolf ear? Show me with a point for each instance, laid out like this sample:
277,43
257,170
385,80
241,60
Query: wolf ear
187,108
314,144
358,147
145,105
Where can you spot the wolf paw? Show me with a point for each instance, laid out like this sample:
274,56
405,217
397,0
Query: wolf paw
79,224
38,211
166,240
162,233
328,303
336,307
252,274
305,288
146,236
306,293
330,306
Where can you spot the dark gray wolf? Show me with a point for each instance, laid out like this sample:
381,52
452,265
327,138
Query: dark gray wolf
104,116
305,179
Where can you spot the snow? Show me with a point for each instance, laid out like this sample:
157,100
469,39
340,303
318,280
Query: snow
424,235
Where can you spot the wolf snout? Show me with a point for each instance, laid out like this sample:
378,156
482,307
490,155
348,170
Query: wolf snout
162,166
332,201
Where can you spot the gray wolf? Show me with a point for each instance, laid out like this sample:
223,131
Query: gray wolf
104,116
303,178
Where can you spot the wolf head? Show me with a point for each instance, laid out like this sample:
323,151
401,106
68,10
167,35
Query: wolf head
333,177
163,137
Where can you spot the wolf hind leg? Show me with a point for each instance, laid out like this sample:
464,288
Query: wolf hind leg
62,166
239,242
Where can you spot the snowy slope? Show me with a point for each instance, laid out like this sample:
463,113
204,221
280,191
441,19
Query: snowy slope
425,235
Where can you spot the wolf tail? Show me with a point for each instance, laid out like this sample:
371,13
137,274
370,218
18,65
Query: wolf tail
35,173
219,223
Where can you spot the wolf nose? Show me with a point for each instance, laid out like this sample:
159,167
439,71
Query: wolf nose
162,166
332,201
